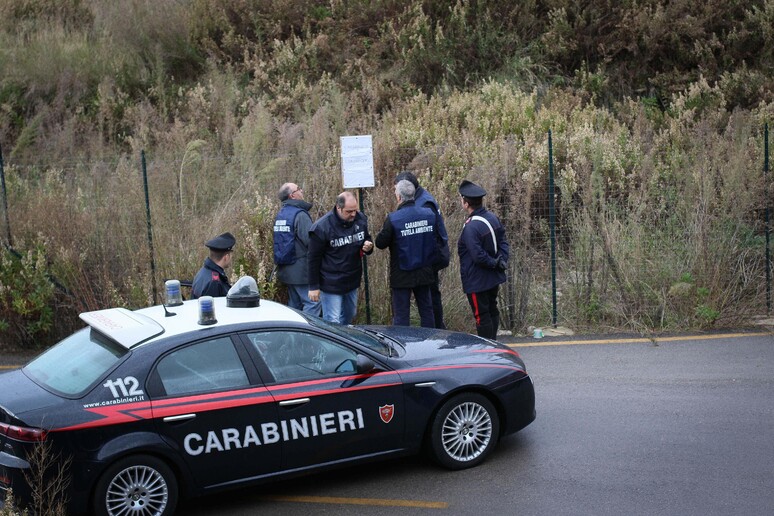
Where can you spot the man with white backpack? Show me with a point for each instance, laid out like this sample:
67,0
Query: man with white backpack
483,251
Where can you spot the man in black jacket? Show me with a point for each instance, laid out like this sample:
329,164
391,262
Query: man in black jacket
337,243
409,232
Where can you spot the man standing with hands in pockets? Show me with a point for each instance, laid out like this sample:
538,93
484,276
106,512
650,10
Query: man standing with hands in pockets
337,242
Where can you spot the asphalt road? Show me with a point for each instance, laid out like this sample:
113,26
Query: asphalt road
683,427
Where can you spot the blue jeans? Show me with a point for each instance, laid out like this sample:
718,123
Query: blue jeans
298,298
339,308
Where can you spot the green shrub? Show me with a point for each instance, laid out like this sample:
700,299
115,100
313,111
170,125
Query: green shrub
26,297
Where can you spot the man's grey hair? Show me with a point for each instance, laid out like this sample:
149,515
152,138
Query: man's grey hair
405,190
284,192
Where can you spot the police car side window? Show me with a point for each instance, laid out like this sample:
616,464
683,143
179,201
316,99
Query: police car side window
204,366
294,356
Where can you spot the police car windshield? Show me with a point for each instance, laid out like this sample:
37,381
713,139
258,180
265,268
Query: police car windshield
383,347
73,365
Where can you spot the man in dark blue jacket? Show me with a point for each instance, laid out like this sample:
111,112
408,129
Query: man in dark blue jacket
409,232
211,280
423,198
337,243
483,250
291,244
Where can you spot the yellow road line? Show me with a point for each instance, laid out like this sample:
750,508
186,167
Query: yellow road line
634,341
381,502
10,366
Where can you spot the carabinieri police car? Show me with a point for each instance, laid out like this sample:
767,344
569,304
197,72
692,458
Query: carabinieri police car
188,398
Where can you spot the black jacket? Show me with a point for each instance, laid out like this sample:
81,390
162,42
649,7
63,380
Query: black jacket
211,280
423,198
335,252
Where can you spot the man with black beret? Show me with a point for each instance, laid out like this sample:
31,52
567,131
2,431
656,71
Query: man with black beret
483,250
211,280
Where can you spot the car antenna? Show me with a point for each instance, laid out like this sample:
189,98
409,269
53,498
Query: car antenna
167,313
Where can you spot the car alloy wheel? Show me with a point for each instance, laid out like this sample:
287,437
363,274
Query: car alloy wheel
141,485
464,431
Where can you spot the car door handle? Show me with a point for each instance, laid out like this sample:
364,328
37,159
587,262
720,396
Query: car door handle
424,384
290,403
182,417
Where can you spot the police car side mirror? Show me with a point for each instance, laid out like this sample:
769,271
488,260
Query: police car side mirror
364,364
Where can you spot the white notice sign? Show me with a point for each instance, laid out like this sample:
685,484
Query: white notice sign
357,161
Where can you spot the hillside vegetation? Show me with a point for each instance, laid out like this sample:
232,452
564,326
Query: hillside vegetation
656,111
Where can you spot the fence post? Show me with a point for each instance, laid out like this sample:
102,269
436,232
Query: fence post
5,200
552,224
365,271
766,211
150,228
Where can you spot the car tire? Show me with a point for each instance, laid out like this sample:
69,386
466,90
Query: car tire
464,431
140,484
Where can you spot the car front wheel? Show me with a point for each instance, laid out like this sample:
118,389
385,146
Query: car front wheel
464,431
140,485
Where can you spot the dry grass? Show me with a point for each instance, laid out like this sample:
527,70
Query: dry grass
641,206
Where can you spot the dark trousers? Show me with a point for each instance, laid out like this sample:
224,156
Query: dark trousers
484,305
401,306
435,293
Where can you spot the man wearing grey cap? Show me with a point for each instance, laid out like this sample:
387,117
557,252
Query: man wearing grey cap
483,250
211,280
